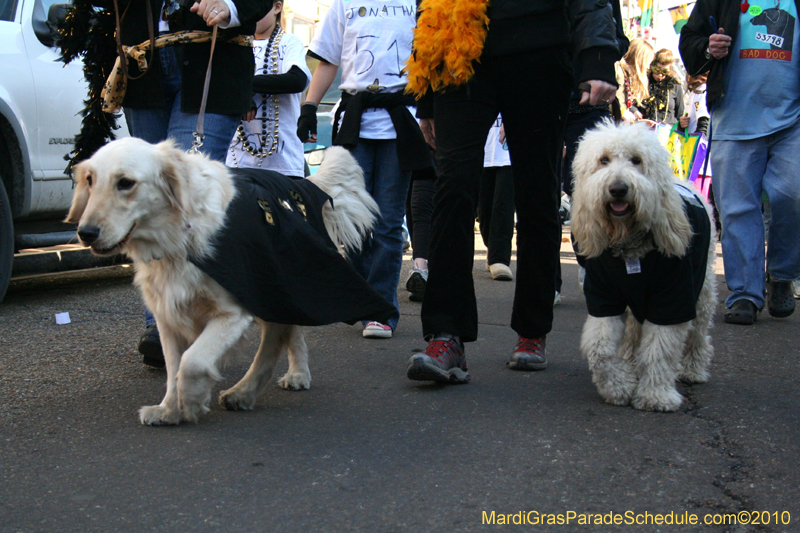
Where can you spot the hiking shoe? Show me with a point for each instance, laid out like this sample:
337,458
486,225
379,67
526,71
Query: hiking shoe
529,354
501,272
780,300
442,361
416,284
150,347
376,330
742,312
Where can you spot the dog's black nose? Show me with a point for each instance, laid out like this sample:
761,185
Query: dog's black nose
88,234
618,189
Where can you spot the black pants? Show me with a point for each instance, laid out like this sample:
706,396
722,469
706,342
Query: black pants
531,90
419,208
496,213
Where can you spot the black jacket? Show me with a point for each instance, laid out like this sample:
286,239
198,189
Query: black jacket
586,27
230,91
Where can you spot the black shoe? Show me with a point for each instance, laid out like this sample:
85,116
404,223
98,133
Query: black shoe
780,299
150,347
742,312
416,284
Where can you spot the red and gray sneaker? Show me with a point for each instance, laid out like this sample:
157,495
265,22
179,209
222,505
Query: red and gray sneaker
442,361
529,355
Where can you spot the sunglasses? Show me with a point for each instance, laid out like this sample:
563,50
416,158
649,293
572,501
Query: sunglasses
658,70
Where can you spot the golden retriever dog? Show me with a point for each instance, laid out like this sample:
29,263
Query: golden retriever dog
165,208
647,242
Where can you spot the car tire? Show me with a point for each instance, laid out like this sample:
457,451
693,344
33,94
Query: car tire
6,241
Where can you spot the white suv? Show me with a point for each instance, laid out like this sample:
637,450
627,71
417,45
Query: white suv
40,104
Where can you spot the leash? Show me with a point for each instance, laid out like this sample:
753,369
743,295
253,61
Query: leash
199,133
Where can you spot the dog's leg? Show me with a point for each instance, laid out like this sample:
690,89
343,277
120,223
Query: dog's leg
699,350
167,413
198,368
612,374
298,377
657,361
274,341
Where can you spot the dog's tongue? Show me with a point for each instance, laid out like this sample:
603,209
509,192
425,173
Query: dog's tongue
619,206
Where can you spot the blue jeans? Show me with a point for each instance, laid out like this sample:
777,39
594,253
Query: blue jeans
743,172
156,124
382,255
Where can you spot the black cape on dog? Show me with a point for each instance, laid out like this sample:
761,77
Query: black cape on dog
666,290
276,257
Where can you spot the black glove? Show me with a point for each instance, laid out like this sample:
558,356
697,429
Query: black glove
307,123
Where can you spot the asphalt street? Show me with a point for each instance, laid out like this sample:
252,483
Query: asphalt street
365,449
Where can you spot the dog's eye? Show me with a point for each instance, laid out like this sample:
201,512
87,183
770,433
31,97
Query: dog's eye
125,184
636,160
605,160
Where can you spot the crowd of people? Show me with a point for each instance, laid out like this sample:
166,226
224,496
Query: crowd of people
489,131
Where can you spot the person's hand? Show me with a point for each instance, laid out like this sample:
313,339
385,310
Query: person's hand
719,44
307,123
212,11
684,121
428,131
501,137
601,93
250,115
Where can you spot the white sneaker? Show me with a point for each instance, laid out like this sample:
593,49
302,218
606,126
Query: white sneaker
557,299
501,272
376,330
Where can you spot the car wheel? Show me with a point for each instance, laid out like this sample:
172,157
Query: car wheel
6,241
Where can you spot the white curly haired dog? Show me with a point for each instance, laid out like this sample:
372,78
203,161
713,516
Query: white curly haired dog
647,243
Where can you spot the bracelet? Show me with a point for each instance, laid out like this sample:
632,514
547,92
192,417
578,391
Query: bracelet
310,103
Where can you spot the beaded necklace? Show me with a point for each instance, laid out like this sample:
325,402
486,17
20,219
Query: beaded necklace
269,108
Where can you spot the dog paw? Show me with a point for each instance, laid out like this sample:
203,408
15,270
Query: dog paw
157,415
660,401
295,381
194,395
237,400
614,399
693,376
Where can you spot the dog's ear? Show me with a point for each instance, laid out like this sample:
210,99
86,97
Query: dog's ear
81,175
589,230
171,163
671,229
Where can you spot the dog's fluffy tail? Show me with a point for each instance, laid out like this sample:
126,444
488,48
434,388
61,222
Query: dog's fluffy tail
353,213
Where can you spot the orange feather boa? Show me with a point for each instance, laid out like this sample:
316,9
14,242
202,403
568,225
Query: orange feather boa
449,36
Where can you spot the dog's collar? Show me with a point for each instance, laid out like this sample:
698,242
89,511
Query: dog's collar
631,243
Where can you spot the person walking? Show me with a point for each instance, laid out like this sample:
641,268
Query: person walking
755,138
265,135
370,42
520,67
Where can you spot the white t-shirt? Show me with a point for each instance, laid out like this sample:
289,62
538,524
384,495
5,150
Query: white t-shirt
696,107
495,153
370,41
287,157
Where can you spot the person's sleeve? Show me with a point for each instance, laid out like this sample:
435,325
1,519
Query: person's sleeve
594,39
328,43
694,40
290,82
247,11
